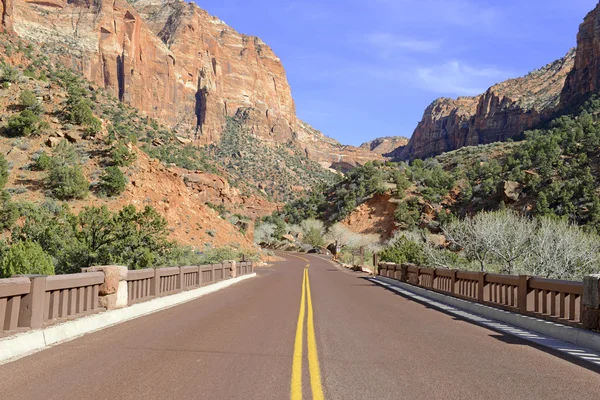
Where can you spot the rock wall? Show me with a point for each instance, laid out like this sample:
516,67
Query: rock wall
174,61
503,111
585,76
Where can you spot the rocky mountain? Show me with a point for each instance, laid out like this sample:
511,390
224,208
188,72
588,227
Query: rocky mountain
385,145
503,111
584,77
175,62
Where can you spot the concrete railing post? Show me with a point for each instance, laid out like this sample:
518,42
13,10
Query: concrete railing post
199,275
522,293
453,282
233,272
181,279
156,283
590,302
480,287
31,312
404,273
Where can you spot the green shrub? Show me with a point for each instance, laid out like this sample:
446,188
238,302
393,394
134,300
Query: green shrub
26,123
26,257
30,102
3,171
404,251
113,182
121,156
8,74
42,162
67,182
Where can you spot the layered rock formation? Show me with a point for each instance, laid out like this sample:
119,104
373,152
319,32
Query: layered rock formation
503,111
585,76
177,63
385,145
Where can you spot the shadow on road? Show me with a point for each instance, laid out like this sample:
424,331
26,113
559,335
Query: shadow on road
501,336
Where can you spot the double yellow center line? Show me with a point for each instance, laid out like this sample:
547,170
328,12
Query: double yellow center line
313,356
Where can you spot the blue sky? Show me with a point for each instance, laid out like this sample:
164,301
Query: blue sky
361,69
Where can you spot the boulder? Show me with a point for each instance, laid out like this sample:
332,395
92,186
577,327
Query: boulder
112,276
183,140
53,141
512,191
289,238
115,300
73,137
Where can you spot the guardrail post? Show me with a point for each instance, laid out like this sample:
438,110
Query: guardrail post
233,272
199,275
418,282
480,287
590,302
433,278
522,293
213,279
156,283
31,312
181,279
453,282
404,273
375,264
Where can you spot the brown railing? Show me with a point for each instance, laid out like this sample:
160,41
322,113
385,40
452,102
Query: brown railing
71,295
35,301
12,292
546,298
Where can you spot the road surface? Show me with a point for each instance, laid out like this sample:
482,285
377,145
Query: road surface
350,339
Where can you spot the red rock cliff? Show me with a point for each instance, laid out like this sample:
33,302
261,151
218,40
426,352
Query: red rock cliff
585,76
503,111
177,63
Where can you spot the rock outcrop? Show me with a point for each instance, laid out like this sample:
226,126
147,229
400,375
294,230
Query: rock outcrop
385,145
503,111
585,76
175,62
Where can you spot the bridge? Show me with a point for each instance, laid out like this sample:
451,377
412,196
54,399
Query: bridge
302,328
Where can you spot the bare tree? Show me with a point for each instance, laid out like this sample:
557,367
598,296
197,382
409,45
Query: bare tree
560,250
264,233
465,235
506,235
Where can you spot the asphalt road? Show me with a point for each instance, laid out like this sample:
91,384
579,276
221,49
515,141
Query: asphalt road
357,341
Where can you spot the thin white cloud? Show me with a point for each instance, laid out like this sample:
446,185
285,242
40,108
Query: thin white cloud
458,78
388,44
464,13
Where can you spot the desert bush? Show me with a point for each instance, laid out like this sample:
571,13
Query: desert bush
26,257
112,182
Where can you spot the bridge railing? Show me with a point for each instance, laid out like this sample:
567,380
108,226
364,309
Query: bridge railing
556,300
32,302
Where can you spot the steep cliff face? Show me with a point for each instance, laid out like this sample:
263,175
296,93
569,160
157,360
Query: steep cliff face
585,76
385,145
175,62
503,111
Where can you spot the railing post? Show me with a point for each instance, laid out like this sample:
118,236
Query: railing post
453,282
181,279
31,313
433,278
590,302
199,275
522,293
213,279
156,283
480,287
375,264
418,283
404,273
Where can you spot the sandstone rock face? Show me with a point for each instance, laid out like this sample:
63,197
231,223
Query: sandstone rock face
585,76
385,145
503,111
176,63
